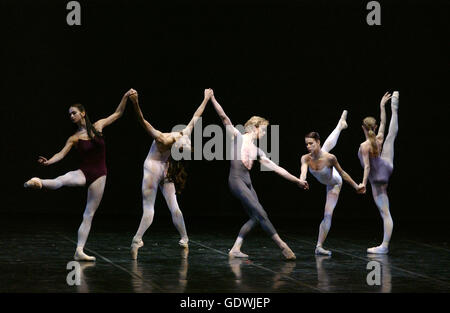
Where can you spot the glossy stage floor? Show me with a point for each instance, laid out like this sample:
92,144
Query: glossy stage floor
35,253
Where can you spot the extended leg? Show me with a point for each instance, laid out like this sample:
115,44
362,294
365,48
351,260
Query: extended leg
388,146
70,179
95,194
332,139
325,225
168,190
380,196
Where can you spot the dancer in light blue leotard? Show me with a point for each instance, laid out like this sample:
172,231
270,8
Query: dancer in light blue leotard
326,169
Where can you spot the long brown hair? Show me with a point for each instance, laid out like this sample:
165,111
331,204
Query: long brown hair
369,124
176,174
92,132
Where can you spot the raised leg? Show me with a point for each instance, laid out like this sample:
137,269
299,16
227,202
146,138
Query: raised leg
70,179
325,225
332,139
168,190
388,146
95,194
380,196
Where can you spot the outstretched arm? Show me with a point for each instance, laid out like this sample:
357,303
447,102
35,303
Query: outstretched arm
225,119
383,101
264,160
188,130
100,124
304,170
156,134
60,155
360,188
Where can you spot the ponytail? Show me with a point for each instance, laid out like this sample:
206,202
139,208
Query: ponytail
369,124
373,142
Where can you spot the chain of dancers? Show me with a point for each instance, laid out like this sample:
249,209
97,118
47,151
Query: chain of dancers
161,170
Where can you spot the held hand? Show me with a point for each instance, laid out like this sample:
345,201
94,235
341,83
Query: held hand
361,189
43,161
396,94
133,95
208,93
130,92
385,98
303,184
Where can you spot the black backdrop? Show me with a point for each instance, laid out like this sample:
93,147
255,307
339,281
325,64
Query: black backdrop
297,63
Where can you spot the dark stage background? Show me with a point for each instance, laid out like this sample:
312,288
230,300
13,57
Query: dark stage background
297,63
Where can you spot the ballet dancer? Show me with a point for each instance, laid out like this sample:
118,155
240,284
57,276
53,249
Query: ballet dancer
377,159
160,169
244,153
326,169
90,144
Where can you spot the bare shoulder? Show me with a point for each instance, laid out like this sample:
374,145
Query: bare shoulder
330,157
365,146
306,158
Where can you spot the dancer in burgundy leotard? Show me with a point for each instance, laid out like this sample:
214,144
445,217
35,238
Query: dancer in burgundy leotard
92,172
378,162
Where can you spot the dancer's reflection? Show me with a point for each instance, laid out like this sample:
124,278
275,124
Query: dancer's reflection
84,286
386,278
183,270
286,270
323,280
138,282
236,268
142,284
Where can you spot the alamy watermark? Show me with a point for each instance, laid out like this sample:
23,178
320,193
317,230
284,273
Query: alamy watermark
374,276
213,148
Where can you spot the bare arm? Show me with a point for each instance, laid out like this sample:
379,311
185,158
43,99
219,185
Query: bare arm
366,161
156,134
344,175
385,98
304,168
198,113
60,155
225,120
100,124
264,160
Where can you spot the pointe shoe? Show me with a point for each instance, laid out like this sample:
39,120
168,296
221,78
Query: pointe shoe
378,250
81,256
183,243
237,254
343,120
288,254
322,251
34,183
394,100
135,245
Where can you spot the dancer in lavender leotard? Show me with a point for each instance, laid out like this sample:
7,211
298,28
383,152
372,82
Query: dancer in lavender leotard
378,162
92,171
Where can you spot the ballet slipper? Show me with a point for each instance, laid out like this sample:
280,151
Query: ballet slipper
34,183
183,243
237,254
343,120
288,254
322,251
378,250
81,256
394,100
135,245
